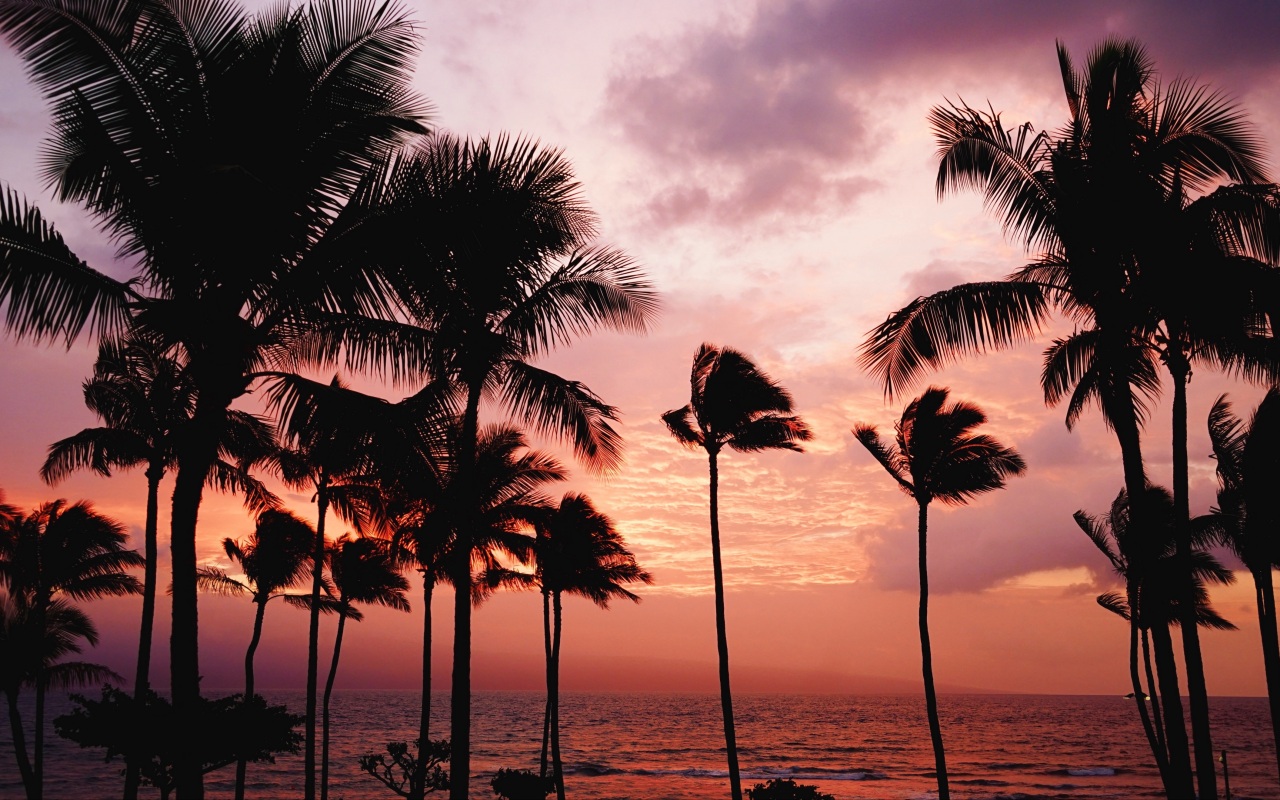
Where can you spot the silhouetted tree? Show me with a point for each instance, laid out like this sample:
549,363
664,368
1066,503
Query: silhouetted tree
936,455
364,572
273,559
222,154
732,404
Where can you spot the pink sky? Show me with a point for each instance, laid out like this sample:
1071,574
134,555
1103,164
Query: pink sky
772,169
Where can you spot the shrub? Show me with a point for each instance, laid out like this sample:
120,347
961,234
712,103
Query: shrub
786,789
513,784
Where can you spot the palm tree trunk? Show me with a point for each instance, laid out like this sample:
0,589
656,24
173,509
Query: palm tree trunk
259,615
546,713
1155,701
1270,647
142,681
926,659
460,691
41,686
328,693
194,463
417,785
1175,726
1157,749
553,696
313,640
1197,690
722,639
20,746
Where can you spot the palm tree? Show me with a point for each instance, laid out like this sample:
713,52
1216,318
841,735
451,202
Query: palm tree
508,273
1094,202
937,456
578,552
273,559
735,405
1247,514
57,551
31,649
145,398
220,153
363,571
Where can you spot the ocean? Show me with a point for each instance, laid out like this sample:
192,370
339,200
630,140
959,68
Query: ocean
671,747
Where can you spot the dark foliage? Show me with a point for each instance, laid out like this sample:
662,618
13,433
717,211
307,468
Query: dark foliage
521,784
786,789
397,768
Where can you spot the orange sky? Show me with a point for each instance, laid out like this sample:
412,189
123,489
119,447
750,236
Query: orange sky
773,171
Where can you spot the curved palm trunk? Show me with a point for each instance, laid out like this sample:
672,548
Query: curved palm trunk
1157,747
722,640
546,714
1197,690
313,641
1265,593
926,660
41,687
194,462
460,690
259,615
328,693
142,680
553,699
1175,730
1155,703
417,786
20,746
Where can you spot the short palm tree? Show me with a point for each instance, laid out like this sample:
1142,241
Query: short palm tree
936,455
273,558
222,154
61,550
1247,516
734,405
364,572
31,653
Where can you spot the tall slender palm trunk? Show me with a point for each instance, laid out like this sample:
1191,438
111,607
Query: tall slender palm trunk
1155,701
25,771
546,714
313,640
259,615
1175,725
1197,690
926,661
142,679
553,696
1265,593
328,693
42,685
460,691
722,639
417,786
1135,679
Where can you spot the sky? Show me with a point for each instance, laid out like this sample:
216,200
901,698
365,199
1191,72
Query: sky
771,167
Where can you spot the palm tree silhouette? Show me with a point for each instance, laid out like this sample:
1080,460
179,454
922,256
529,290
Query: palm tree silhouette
936,455
145,399
733,404
1247,514
273,559
61,550
31,652
508,274
579,552
221,154
364,572
1103,204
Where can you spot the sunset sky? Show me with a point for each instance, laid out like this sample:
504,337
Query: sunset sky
771,167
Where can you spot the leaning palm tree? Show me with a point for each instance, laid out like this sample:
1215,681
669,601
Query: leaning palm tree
273,558
31,653
1101,204
936,455
732,405
220,153
61,550
1248,514
508,274
364,572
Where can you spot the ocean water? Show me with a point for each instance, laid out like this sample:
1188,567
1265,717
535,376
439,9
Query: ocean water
670,747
